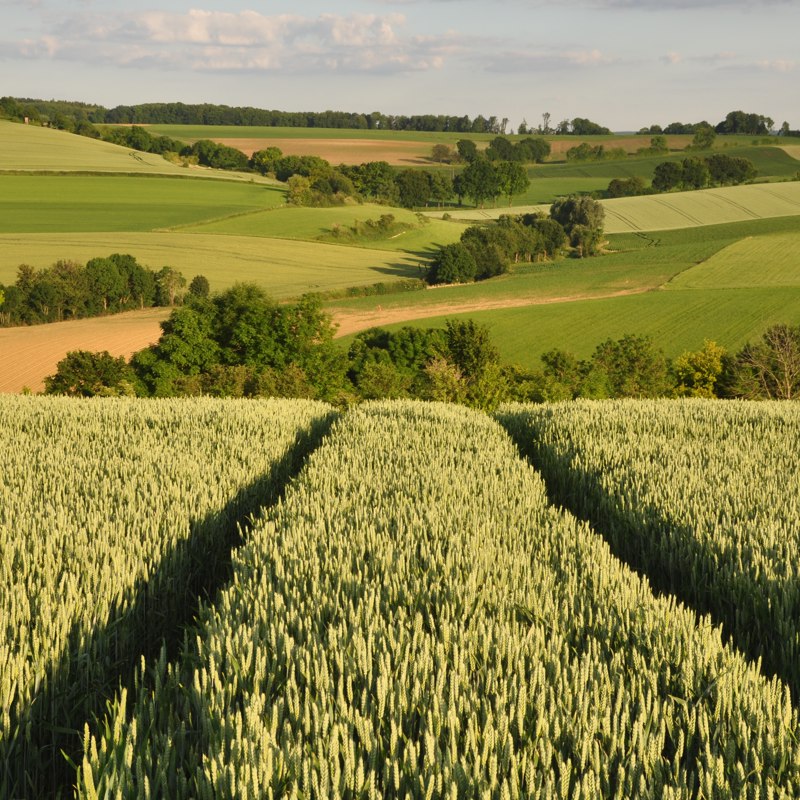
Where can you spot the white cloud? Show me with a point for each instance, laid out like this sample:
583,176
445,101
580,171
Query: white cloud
519,61
778,65
246,40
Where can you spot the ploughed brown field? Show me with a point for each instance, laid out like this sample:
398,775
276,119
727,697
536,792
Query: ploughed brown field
341,151
29,354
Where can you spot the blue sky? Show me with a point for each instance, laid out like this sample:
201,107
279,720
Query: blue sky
623,63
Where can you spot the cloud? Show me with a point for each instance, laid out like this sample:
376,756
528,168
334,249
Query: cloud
522,61
778,65
244,41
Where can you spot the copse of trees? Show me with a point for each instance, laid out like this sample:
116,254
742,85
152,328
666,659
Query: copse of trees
483,180
525,151
485,251
718,169
626,187
741,122
582,219
243,343
734,122
69,290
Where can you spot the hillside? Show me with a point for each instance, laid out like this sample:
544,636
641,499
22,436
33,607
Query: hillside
243,231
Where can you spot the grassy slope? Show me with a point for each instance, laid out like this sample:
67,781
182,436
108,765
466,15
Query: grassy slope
285,268
678,319
677,210
28,148
760,261
316,224
47,203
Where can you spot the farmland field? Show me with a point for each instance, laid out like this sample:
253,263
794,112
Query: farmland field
115,515
637,263
29,149
415,615
678,209
316,224
67,203
29,354
760,261
702,496
284,267
677,321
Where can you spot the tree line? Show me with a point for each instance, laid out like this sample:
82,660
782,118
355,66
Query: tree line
57,112
105,285
735,122
241,343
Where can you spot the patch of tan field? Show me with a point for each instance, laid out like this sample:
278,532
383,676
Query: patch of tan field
350,321
29,354
792,149
341,151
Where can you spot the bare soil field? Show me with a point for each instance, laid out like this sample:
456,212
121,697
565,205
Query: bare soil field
341,151
29,354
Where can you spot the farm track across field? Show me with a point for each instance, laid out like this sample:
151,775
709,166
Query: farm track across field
354,321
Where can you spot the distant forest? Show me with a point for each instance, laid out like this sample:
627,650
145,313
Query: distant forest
210,114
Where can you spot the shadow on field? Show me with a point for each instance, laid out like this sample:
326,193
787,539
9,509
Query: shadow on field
674,561
35,750
402,269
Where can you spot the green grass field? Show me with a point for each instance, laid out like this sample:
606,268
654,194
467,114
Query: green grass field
682,292
69,203
677,321
753,261
317,223
285,268
29,148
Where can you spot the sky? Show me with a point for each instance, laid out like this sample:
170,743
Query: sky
623,63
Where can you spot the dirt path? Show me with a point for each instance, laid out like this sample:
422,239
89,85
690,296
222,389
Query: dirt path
29,354
355,321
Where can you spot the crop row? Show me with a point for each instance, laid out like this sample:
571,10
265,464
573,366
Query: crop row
702,496
415,620
114,515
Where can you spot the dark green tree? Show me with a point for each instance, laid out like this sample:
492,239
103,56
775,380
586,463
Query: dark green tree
85,374
454,263
467,150
667,176
480,181
413,188
512,179
106,283
199,286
